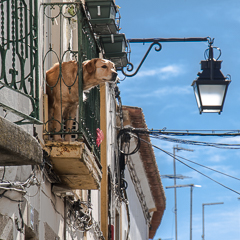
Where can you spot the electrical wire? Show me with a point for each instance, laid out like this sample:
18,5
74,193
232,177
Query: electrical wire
38,190
19,186
217,145
128,213
79,217
2,194
20,229
13,200
125,137
218,133
207,167
170,154
159,134
53,204
200,143
198,171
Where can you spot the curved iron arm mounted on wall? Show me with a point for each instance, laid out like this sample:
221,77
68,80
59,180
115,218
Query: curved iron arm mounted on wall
157,41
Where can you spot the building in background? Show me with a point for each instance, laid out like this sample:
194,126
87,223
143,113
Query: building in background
145,190
89,187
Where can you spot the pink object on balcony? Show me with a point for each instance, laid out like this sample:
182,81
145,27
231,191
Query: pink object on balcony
100,136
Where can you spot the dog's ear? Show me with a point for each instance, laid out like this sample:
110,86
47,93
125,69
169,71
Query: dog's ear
90,66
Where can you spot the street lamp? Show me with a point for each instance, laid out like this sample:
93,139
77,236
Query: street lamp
211,86
191,191
204,204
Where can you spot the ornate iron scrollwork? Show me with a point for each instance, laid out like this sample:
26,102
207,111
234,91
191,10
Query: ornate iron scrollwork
130,65
155,41
19,57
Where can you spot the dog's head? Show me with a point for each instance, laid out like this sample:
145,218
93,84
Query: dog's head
97,71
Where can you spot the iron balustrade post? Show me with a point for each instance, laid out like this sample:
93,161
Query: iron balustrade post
80,60
36,61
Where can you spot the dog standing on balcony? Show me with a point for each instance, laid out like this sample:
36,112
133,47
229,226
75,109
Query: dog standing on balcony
62,89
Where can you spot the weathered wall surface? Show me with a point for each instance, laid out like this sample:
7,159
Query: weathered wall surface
17,146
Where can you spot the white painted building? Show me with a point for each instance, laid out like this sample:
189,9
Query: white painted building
67,190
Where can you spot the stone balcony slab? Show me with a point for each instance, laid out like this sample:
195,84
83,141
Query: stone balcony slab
17,147
74,163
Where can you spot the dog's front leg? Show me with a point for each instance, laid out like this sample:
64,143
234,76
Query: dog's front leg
57,121
70,118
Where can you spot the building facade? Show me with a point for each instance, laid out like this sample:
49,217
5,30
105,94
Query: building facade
90,187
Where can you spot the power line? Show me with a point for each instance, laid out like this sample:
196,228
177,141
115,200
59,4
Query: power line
203,174
209,168
200,143
160,134
133,131
170,154
218,133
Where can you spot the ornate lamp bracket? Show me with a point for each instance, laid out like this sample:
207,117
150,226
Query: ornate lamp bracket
130,65
156,41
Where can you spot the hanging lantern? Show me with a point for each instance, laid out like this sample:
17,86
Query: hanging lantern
210,87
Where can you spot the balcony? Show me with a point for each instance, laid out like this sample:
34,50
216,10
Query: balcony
75,165
67,36
19,75
73,151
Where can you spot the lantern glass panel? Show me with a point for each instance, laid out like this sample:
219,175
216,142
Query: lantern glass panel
197,95
211,110
212,95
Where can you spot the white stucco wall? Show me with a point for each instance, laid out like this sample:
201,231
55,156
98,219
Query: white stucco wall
141,174
48,206
138,224
111,124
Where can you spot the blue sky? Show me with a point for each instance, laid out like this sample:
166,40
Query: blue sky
162,88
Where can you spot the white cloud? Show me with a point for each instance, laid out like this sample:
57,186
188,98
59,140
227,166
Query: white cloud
176,90
167,91
224,169
230,140
217,158
163,72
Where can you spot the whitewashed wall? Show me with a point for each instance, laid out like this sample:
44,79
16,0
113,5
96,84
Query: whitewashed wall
138,224
48,207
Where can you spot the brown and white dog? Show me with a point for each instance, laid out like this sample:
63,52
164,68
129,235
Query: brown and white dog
63,91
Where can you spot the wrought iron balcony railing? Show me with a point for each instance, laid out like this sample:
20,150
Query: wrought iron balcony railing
19,78
68,36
